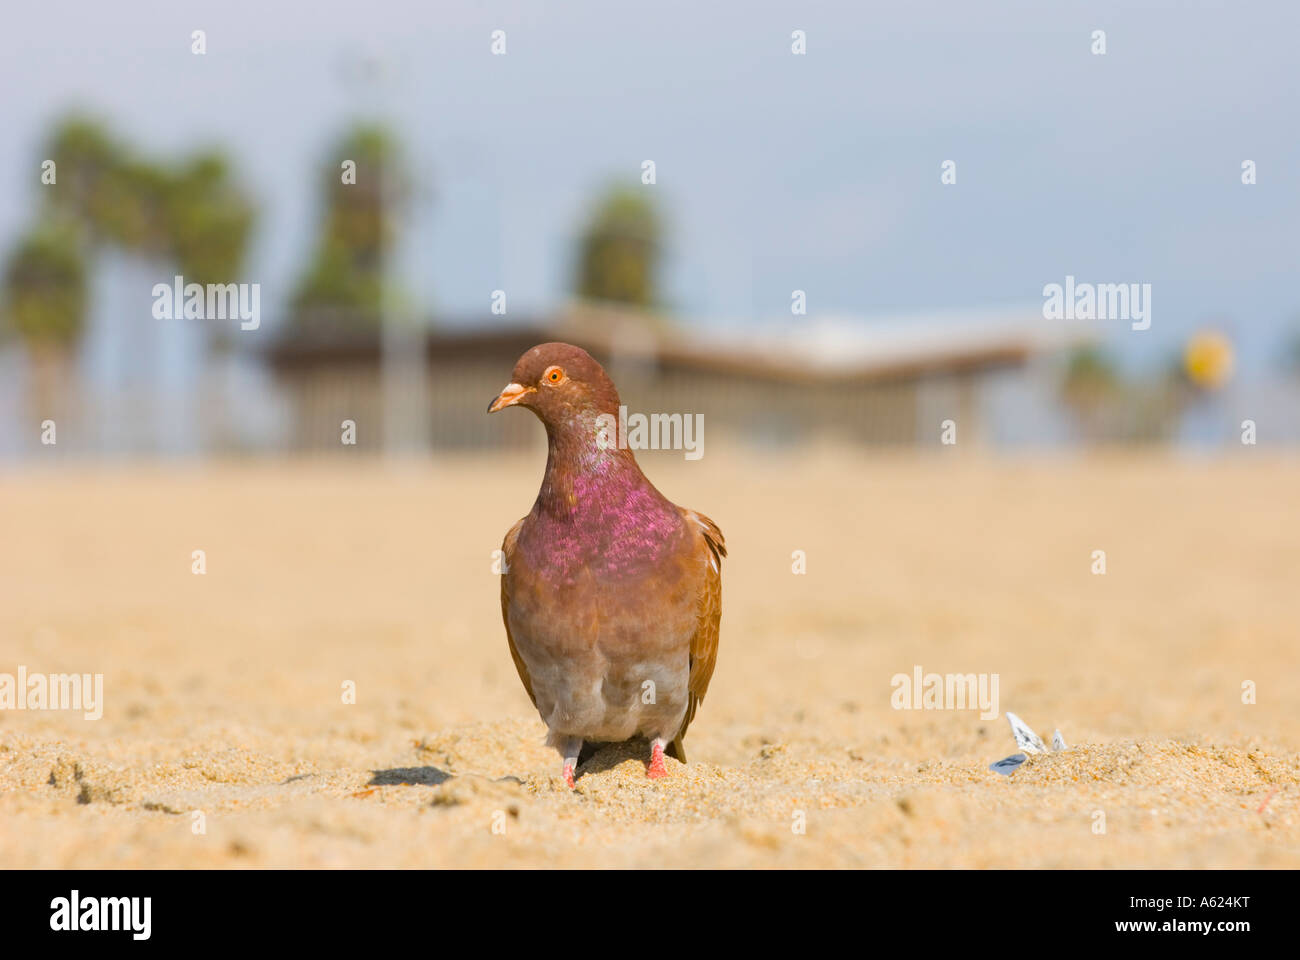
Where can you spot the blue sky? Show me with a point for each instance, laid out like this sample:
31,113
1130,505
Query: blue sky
775,172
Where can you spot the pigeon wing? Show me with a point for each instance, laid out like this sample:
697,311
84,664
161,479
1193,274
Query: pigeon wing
507,558
704,644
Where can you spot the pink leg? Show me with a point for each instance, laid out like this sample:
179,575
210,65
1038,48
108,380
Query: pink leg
656,768
569,748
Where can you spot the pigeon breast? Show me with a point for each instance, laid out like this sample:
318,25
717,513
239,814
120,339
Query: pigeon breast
604,595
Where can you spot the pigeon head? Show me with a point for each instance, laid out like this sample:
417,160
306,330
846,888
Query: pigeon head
560,383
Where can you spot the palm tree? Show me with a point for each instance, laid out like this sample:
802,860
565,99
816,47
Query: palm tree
618,254
44,302
344,284
1090,388
193,215
1291,353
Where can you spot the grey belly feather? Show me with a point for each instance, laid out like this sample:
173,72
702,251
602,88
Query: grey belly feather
606,700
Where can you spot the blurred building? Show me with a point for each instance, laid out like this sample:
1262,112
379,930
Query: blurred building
832,379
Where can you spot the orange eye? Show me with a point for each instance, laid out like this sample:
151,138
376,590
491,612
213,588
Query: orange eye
554,375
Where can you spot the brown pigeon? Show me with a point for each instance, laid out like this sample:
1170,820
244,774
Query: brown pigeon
610,593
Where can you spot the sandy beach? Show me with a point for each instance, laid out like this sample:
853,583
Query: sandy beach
226,740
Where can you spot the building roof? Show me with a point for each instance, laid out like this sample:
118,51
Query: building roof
828,348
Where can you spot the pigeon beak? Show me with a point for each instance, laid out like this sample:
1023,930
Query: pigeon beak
508,397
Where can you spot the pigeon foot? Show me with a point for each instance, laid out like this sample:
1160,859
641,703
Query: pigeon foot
570,748
656,768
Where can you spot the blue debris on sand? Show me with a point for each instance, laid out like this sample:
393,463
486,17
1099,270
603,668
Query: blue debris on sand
1026,740
1008,766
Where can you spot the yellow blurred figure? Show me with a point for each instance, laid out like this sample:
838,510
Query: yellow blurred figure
1208,360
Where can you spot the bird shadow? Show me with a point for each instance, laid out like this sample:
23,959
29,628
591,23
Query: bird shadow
416,776
607,756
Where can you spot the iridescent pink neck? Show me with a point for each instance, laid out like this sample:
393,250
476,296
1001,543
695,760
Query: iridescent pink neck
595,509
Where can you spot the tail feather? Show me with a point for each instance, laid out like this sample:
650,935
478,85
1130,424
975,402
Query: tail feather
676,750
